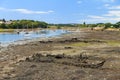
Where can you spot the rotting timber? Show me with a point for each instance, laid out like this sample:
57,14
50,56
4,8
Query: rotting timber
81,60
73,40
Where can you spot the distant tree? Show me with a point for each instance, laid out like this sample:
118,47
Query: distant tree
3,20
108,25
24,24
84,24
3,26
117,25
58,27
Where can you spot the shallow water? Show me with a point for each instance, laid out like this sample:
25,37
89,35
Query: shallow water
12,37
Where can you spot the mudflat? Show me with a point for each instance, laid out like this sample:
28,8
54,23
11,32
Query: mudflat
74,56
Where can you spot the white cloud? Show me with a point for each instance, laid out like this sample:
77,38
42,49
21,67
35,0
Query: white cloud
114,7
108,0
95,17
1,8
107,5
113,13
101,20
79,2
111,16
112,0
26,11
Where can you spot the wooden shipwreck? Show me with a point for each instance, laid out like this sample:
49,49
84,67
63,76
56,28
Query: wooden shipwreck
82,61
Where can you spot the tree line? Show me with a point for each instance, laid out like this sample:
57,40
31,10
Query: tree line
105,25
22,24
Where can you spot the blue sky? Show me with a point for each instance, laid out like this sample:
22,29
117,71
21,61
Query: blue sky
62,11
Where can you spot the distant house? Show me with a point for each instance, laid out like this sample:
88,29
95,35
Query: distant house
8,22
5,22
1,21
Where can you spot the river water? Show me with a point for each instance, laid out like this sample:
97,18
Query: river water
6,38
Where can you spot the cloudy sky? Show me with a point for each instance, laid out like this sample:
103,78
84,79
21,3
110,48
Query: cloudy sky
62,11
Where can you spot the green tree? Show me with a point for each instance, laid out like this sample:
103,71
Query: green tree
24,24
108,25
3,20
84,24
117,25
3,26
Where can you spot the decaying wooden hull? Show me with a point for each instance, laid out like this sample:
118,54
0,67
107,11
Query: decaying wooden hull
78,60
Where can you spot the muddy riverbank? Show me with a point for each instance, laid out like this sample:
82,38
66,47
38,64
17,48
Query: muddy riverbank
98,45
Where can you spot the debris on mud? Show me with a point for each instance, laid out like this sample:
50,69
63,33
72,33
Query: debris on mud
76,60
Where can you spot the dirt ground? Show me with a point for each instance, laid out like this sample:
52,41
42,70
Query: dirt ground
100,45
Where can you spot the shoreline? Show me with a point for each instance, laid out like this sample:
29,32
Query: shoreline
4,46
31,39
95,45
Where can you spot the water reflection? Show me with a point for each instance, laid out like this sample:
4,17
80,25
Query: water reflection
11,37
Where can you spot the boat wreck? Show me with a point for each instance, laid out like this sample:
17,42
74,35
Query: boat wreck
77,60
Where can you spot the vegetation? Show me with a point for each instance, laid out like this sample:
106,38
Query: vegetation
6,30
113,42
84,25
15,24
80,44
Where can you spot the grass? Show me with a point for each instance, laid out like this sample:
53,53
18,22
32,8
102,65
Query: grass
113,43
80,44
6,30
108,42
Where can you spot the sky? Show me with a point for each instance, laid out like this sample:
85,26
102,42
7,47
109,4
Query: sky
61,11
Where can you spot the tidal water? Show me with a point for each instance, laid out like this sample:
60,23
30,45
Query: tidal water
12,37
